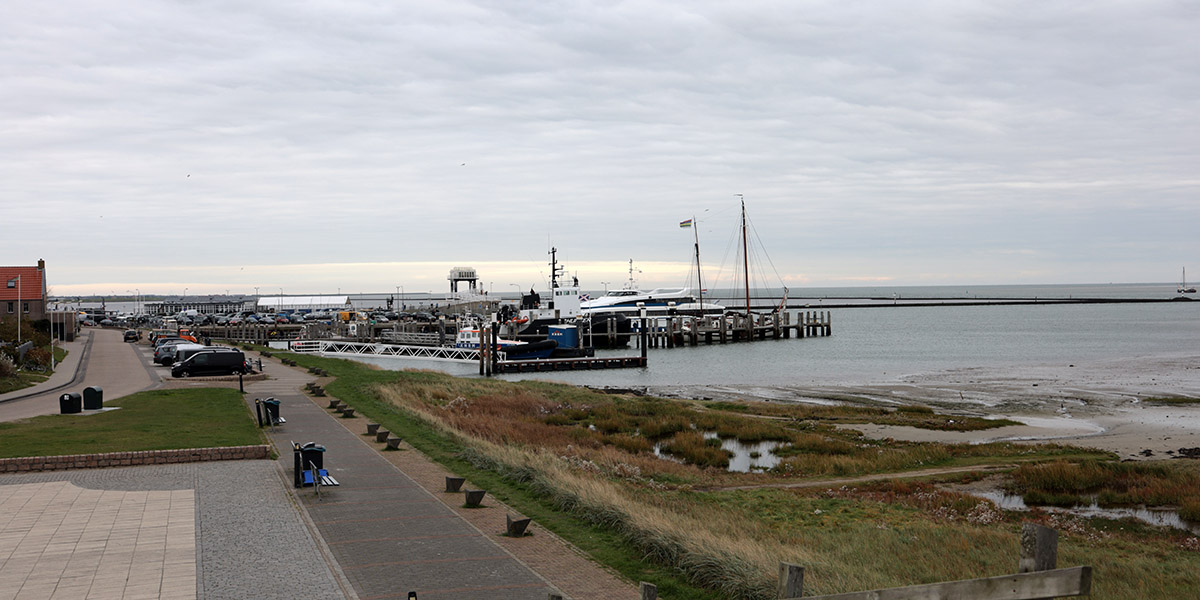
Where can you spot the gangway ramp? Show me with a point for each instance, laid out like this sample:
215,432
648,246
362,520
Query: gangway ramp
341,348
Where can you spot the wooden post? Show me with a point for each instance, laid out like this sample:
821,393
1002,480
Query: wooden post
482,352
791,580
1039,548
642,338
649,591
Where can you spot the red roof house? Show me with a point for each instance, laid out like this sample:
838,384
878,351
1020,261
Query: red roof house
23,289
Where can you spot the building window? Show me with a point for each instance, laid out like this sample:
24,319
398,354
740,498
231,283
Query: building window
11,307
12,283
24,307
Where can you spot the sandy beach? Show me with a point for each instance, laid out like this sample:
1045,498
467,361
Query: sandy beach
1107,405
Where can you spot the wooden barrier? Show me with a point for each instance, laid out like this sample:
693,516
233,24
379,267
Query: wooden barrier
1038,578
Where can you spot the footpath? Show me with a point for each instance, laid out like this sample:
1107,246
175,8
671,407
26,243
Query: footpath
393,530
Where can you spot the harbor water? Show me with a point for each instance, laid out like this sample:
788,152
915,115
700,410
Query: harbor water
882,344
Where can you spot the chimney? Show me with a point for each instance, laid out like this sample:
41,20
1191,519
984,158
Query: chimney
41,265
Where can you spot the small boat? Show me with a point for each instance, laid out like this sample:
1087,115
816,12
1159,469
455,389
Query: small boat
468,337
528,350
1183,286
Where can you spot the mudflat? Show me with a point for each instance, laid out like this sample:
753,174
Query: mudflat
1111,405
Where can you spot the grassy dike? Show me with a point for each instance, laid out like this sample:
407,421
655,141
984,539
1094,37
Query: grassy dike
581,464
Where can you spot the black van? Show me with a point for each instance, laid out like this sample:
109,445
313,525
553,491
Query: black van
212,362
185,351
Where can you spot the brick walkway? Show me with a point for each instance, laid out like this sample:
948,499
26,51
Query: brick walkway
393,529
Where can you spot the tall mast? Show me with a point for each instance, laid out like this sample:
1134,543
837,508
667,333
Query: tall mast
699,280
745,257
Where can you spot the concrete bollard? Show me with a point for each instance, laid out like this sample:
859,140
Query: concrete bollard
372,428
515,527
348,413
382,435
474,498
334,403
393,443
649,591
454,484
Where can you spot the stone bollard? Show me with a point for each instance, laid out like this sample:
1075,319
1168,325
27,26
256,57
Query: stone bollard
515,527
474,498
341,407
372,428
381,435
348,413
454,484
393,443
334,403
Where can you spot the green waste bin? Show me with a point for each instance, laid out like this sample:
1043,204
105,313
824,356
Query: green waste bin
93,398
70,404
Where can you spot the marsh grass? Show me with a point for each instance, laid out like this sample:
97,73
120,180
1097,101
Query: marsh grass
1065,483
692,447
910,415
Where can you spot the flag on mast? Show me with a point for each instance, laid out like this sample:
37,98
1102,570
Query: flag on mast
687,223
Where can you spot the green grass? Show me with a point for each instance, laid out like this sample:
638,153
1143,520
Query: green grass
154,420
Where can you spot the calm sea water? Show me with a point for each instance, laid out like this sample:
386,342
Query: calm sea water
881,344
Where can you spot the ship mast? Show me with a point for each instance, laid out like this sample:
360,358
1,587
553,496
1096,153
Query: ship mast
745,255
699,279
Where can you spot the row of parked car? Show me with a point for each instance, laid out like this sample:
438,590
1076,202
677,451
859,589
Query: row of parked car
237,319
187,357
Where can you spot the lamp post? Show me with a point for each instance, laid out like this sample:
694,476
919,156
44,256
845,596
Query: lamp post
19,306
605,287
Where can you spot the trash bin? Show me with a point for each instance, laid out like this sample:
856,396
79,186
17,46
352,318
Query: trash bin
303,455
70,403
271,406
93,398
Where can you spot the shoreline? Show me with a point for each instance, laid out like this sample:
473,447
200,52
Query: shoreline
1106,405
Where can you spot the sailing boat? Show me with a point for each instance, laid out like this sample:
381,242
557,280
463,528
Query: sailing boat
1183,286
745,252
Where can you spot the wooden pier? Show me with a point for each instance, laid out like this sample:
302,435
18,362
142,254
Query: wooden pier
669,332
568,364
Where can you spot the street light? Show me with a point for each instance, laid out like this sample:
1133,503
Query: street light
605,287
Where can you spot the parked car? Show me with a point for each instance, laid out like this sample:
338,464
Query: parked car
171,354
282,319
168,339
132,335
211,362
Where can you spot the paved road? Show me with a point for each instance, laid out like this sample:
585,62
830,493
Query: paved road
106,361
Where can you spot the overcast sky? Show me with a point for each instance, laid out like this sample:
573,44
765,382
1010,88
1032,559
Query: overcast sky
328,146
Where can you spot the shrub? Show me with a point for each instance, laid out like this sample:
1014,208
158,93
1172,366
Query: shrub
7,367
38,356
